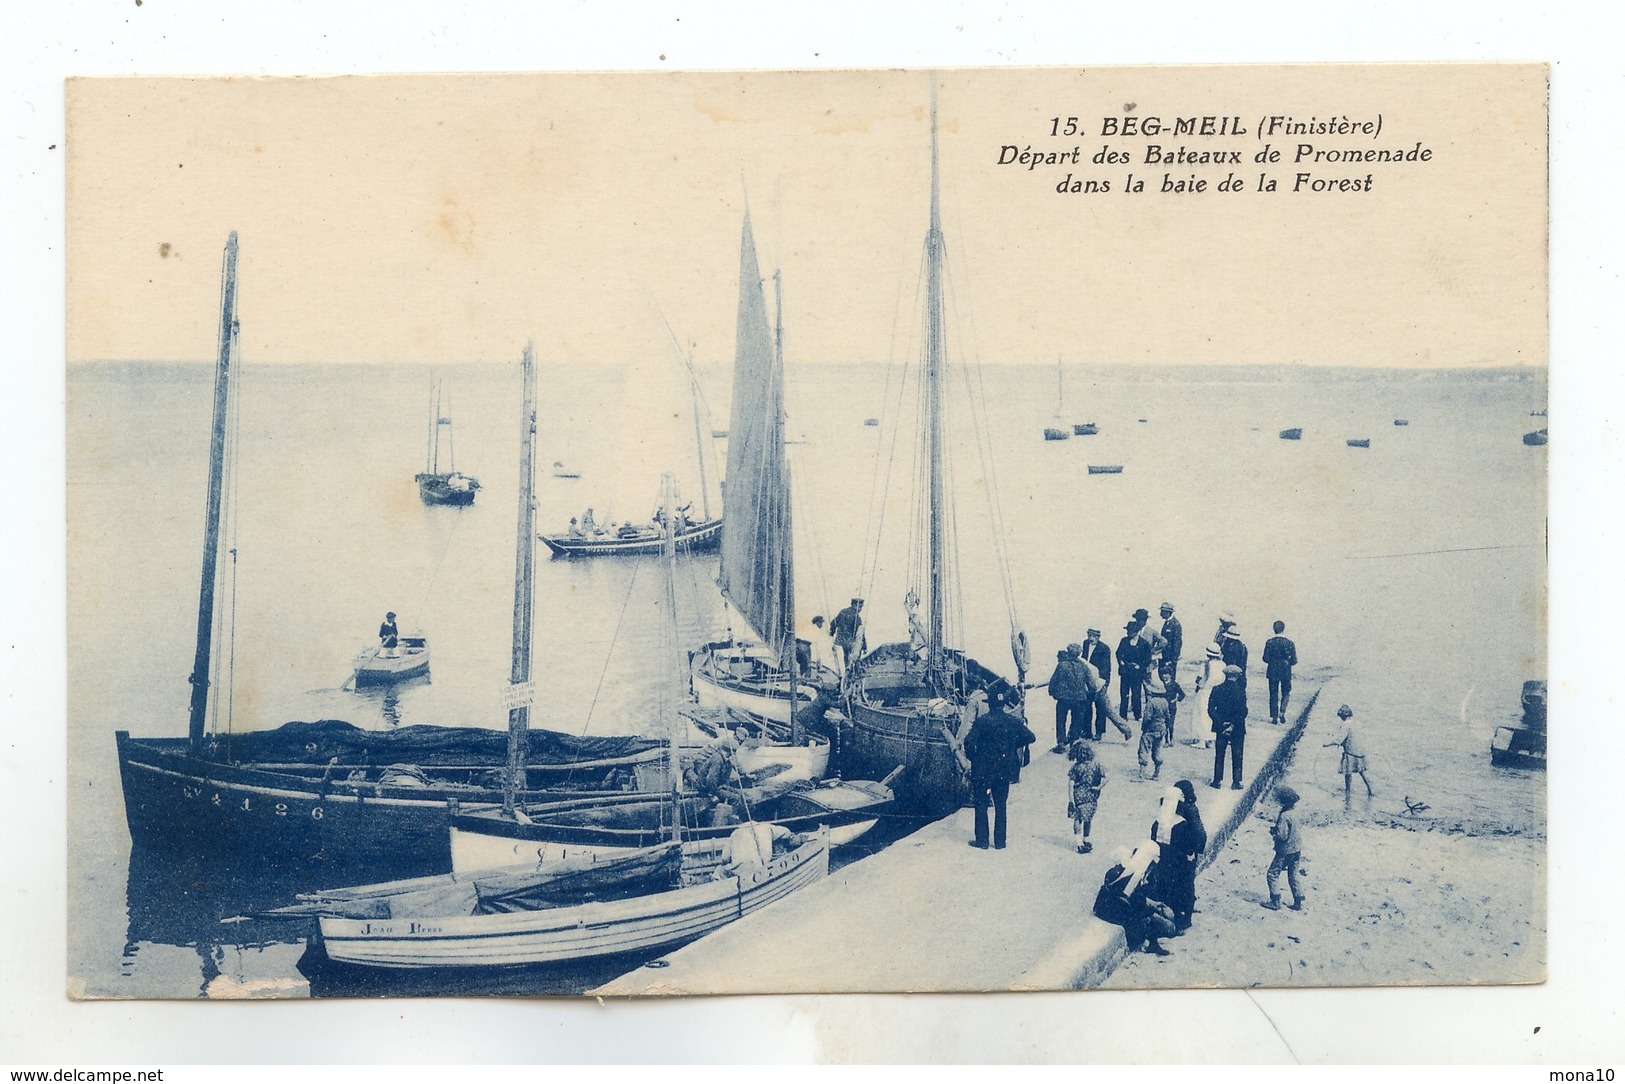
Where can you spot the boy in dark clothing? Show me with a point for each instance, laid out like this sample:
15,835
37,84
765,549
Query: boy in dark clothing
1280,656
1288,850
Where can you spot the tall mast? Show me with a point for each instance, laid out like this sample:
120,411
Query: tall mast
434,415
668,548
784,562
523,599
211,518
935,525
699,441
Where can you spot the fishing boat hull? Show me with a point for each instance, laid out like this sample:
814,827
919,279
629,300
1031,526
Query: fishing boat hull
585,931
897,725
1535,439
378,667
1085,429
1057,434
1358,442
1292,434
706,535
280,811
732,676
484,839
1105,468
452,489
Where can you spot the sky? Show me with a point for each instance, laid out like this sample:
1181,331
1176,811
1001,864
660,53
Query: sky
424,219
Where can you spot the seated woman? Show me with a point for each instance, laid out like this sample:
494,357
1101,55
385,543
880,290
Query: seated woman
1123,899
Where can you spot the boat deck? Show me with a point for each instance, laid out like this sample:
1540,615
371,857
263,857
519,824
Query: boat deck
909,917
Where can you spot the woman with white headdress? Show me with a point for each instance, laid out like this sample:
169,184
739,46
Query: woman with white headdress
1125,900
1212,674
1179,831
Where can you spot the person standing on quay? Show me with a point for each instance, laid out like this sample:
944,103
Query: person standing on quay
1154,727
1183,838
1087,777
1071,692
994,746
1288,850
1133,660
1234,653
1099,656
1280,656
1227,707
1173,642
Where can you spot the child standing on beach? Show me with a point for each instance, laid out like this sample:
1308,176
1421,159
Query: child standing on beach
1087,778
1353,753
1288,849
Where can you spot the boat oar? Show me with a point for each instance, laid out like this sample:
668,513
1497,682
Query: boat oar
356,669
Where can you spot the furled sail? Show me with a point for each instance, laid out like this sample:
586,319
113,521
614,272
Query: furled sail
757,568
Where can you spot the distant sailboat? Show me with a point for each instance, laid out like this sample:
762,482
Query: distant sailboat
450,486
1059,432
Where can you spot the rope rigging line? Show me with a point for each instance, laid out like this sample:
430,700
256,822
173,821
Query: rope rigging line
881,478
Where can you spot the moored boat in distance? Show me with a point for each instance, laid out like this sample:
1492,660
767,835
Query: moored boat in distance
1105,468
1358,442
1085,429
635,540
1402,421
561,471
1292,434
1535,439
450,486
871,422
1056,434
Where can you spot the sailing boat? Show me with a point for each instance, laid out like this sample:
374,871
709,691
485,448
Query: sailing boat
435,486
911,704
762,678
646,899
1059,432
308,793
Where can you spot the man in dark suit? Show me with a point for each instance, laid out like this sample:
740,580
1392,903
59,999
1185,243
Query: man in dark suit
1099,656
1227,708
1133,660
1280,656
1173,642
1234,653
994,746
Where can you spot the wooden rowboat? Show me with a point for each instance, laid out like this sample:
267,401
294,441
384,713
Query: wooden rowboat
718,881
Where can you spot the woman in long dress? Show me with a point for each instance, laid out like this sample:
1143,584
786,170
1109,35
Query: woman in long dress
1195,721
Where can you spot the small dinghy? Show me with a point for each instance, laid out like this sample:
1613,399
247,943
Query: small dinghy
1057,434
384,666
1292,434
1359,442
1109,468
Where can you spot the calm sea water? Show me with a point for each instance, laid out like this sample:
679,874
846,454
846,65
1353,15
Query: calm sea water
1414,569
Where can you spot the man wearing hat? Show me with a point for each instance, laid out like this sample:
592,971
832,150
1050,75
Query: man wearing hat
389,636
1227,708
1099,657
1133,660
847,629
1234,653
994,747
1173,642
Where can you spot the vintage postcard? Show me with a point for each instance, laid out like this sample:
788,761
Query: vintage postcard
795,532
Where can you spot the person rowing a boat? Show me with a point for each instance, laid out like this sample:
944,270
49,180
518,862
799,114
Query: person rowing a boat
389,636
